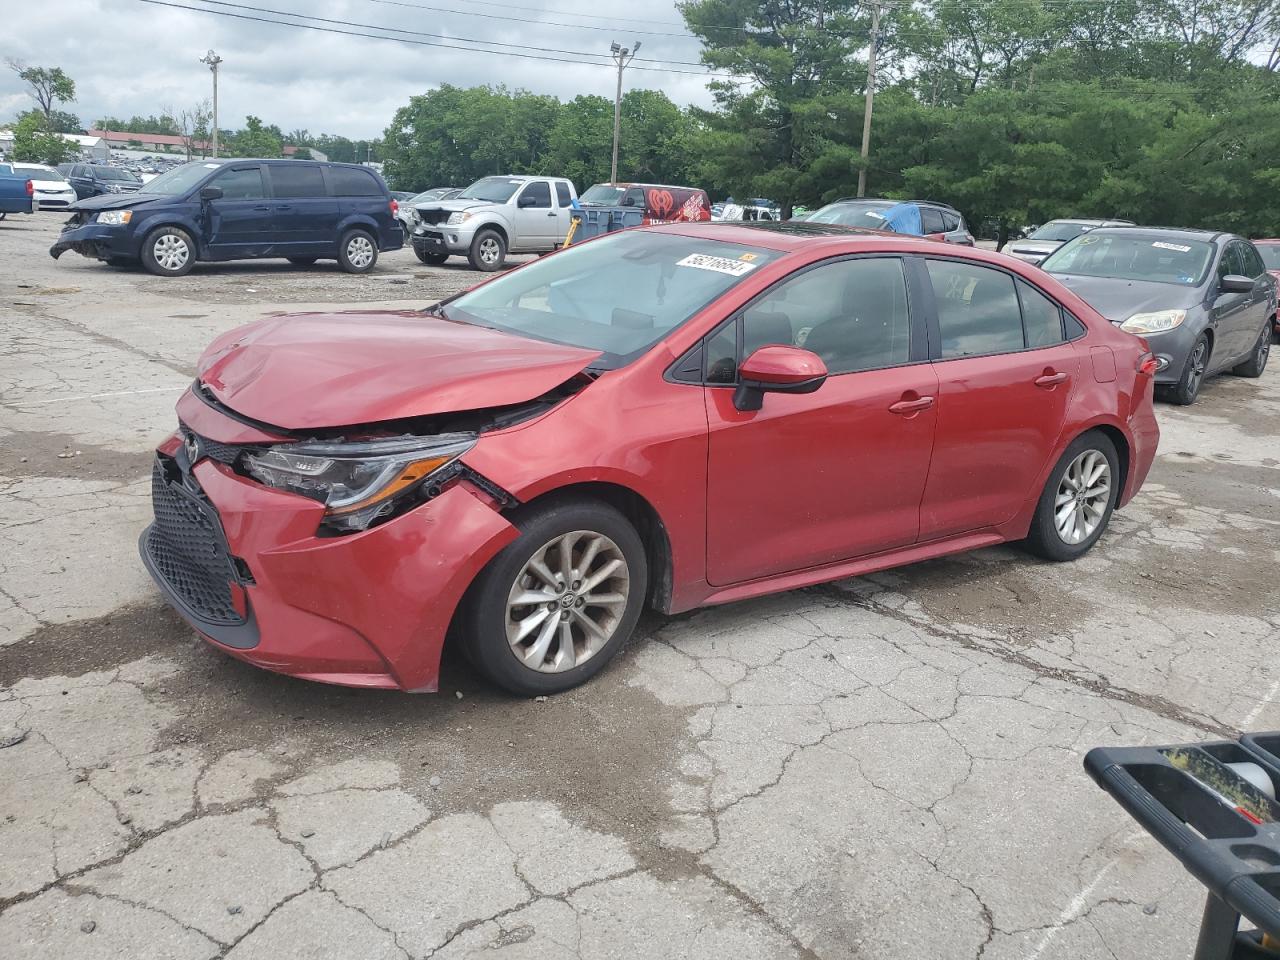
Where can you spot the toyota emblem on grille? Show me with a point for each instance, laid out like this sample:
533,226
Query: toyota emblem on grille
192,444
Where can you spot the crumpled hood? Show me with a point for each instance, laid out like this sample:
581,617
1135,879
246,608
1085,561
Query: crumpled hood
116,201
315,370
1118,299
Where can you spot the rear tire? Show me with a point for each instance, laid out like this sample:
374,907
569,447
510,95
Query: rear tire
488,251
302,261
536,633
435,259
1187,389
1074,508
169,252
357,252
1257,361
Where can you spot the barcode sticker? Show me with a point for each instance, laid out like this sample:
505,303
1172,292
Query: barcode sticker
700,261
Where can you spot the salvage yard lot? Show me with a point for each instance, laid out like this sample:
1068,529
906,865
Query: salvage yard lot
886,767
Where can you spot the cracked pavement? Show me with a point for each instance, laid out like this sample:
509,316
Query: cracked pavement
883,767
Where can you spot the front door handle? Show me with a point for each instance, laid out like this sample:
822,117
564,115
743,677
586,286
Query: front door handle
284,206
1050,380
551,214
263,207
908,407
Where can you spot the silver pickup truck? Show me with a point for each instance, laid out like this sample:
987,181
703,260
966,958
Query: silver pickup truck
493,217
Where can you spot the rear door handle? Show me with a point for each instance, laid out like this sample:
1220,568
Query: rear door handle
284,206
905,407
1051,380
263,207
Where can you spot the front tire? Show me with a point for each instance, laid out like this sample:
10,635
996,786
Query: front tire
1187,389
1078,499
435,259
488,251
357,252
557,604
1257,361
169,252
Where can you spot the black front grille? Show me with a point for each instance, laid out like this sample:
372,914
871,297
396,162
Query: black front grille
227,453
188,550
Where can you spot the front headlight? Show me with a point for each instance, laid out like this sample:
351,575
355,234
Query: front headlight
1161,321
461,216
115,218
357,482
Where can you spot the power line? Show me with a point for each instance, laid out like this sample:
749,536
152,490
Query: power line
425,43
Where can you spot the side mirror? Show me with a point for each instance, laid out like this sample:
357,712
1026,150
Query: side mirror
1234,283
210,193
777,369
628,201
527,201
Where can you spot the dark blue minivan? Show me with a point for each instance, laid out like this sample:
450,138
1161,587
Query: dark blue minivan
231,209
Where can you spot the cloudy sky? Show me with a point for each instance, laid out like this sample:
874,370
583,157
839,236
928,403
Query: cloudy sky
131,57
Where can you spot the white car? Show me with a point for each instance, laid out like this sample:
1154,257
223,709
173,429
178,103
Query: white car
52,189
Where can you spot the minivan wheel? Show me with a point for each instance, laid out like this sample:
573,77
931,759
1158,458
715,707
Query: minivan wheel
558,603
169,252
1257,361
435,259
1185,391
302,261
488,251
1078,499
357,253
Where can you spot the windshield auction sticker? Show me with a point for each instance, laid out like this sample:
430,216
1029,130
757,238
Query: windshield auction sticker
1161,245
700,261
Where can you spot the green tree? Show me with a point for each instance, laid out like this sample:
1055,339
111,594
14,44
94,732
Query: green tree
60,121
47,86
255,140
32,143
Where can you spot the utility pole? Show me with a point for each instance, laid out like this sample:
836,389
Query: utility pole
212,59
871,92
622,56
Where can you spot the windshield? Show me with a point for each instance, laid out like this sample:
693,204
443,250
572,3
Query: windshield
493,189
602,195
863,213
1060,231
111,173
619,294
1132,256
179,180
1270,254
40,173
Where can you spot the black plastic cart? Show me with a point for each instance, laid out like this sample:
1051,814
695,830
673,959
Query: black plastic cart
1223,827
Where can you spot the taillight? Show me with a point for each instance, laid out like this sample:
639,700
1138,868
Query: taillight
1148,365
395,207
31,188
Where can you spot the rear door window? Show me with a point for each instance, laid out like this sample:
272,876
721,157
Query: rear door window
540,192
297,180
1041,317
348,182
242,183
950,221
932,220
978,309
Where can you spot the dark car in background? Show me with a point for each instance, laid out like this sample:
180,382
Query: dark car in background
96,179
1204,301
301,210
1043,240
938,220
1269,250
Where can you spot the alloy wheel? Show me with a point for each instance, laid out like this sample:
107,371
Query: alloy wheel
1264,347
1198,357
171,252
567,601
359,252
489,250
1082,498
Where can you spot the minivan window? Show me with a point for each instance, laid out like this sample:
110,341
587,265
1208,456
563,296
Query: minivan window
240,184
349,182
539,192
296,180
179,180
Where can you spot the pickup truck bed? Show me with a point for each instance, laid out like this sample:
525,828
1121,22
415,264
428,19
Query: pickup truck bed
15,192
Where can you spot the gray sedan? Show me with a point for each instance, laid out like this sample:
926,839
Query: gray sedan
1044,240
1203,301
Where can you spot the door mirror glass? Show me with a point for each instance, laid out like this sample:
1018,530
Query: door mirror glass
1234,283
777,369
210,193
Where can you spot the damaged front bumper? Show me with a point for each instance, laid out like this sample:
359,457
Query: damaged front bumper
96,241
248,566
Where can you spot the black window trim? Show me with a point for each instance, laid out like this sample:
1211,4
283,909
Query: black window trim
533,185
935,329
919,346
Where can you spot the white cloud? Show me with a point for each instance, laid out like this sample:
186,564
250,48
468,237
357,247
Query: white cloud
129,57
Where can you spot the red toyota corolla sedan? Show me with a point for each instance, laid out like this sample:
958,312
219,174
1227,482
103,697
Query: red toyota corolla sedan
675,416
1270,250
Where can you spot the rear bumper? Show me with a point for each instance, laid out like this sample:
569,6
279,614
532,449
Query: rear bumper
369,609
95,241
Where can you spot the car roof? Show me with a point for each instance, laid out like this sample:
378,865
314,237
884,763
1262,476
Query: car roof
788,236
1183,233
